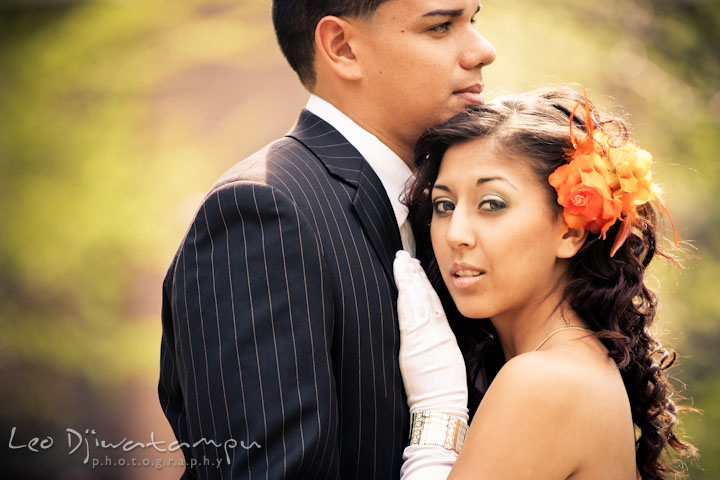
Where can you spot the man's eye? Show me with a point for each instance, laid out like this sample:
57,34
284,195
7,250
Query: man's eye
442,207
492,204
442,28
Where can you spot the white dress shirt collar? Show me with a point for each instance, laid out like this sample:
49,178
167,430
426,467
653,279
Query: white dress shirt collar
392,171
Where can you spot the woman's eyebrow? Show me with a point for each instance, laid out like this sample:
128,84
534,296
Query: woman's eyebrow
493,179
480,181
441,187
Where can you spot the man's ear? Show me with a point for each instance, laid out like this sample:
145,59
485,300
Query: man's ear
333,39
570,242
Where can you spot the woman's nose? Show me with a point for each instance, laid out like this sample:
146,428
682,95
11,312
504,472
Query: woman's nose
460,233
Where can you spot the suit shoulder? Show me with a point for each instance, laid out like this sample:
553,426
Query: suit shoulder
281,158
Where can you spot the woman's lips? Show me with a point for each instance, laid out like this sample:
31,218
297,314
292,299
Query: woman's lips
466,282
465,275
472,94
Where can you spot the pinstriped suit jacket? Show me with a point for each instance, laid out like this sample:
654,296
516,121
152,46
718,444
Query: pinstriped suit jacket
279,319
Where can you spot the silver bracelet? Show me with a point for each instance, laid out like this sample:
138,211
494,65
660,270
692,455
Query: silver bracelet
432,428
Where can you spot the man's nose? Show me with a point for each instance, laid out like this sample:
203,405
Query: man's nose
477,52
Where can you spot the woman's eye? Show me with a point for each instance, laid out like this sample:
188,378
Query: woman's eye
442,28
492,204
441,207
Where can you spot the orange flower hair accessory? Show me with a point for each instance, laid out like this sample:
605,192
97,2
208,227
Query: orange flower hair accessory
603,183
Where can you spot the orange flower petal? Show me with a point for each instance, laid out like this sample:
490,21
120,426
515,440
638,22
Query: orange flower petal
622,235
604,182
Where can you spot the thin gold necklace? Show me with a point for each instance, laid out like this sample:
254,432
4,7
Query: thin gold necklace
566,327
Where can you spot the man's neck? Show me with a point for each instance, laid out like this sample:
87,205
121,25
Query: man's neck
404,150
400,148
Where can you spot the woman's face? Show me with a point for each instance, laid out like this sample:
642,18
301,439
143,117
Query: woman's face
495,237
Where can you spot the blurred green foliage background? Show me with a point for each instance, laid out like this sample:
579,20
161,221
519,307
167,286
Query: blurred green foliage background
117,116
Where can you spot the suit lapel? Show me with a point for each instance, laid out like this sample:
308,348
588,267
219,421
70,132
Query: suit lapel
376,215
371,203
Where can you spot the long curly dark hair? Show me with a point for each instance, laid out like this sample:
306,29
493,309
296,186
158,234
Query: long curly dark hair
608,293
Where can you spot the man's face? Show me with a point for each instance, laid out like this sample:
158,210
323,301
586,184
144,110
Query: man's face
422,63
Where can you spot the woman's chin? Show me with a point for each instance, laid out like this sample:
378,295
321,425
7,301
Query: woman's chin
472,311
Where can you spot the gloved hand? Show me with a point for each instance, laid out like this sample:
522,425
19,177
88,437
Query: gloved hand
431,364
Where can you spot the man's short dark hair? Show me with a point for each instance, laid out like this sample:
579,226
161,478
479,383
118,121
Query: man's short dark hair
295,22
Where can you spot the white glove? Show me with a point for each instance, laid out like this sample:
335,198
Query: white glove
427,462
431,364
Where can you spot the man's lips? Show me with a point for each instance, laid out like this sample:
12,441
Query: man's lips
472,94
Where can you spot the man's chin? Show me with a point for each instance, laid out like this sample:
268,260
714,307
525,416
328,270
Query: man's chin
470,99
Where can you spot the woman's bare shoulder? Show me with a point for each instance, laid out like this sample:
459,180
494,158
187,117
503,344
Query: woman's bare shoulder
556,379
521,418
538,411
